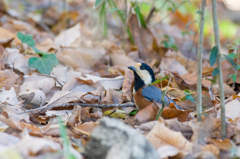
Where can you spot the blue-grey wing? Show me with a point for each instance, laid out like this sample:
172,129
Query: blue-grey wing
153,93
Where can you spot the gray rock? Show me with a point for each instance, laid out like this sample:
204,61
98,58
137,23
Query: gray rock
115,140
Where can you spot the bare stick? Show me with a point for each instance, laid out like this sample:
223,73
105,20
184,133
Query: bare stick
220,78
199,57
82,105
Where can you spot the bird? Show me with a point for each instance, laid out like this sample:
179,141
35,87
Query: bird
145,94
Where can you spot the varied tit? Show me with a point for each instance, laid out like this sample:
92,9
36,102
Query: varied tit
144,93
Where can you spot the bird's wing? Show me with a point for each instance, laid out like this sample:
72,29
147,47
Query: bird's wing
153,93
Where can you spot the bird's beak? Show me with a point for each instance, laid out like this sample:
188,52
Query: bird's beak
132,68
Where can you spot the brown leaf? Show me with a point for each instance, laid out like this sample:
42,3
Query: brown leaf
83,57
147,114
127,85
181,115
7,79
112,97
85,128
232,109
143,38
32,129
228,91
43,83
47,46
206,101
189,81
160,135
211,148
226,144
6,35
86,116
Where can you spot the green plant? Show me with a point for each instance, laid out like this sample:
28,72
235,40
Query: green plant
188,96
133,112
169,42
66,147
230,58
45,63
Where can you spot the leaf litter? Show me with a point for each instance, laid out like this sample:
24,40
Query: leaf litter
94,71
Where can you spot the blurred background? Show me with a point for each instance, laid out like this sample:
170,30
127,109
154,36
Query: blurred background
174,24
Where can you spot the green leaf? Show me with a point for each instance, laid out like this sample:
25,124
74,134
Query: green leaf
193,21
215,72
187,91
190,97
165,43
26,38
97,3
238,67
44,64
232,55
140,16
114,10
231,61
159,80
133,112
213,55
233,76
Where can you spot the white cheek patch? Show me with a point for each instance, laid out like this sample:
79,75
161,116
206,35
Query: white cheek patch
145,76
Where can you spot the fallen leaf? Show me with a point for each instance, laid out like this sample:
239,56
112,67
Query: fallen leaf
226,144
160,136
116,113
112,97
189,81
85,128
127,85
7,79
113,83
43,83
67,37
83,57
8,96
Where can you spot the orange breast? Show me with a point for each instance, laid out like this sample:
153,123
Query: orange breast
139,100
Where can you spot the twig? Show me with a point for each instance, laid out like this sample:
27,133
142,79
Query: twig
82,105
234,82
220,77
151,13
199,57
163,102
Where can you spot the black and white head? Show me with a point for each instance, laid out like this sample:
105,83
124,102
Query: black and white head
143,75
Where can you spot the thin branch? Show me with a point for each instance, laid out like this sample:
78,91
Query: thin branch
234,82
199,57
82,105
220,77
163,102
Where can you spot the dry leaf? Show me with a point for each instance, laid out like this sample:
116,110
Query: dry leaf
85,128
189,81
160,135
84,57
127,85
43,83
7,79
8,96
67,37
112,97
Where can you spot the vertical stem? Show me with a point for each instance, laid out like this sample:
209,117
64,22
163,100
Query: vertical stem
220,78
199,57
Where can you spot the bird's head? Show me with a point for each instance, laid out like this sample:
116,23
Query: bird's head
143,75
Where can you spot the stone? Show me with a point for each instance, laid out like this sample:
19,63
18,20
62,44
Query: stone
113,139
